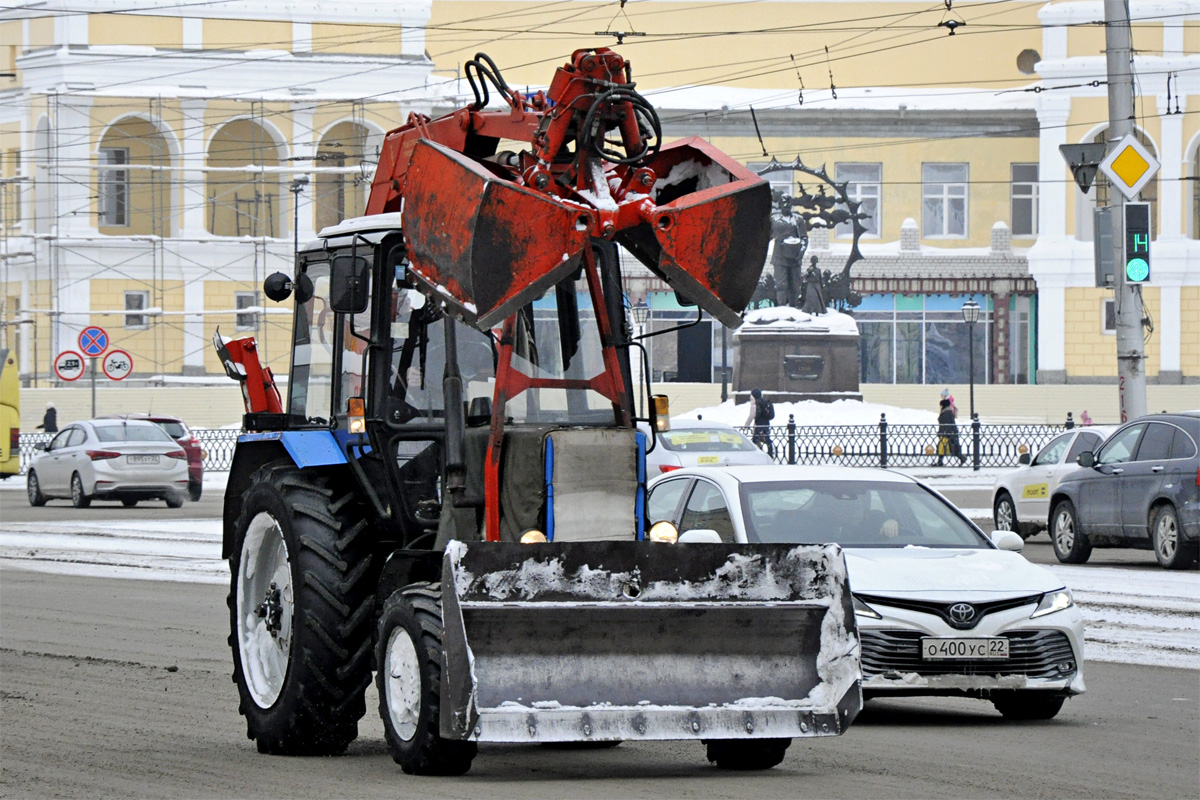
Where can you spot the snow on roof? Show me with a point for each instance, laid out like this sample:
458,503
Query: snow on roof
870,98
375,222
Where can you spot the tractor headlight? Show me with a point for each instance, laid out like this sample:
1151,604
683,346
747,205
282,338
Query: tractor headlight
664,531
1052,602
533,536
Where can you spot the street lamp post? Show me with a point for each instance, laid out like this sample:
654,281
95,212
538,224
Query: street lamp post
970,313
298,184
640,313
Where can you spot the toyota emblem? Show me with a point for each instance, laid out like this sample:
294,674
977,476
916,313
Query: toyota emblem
962,613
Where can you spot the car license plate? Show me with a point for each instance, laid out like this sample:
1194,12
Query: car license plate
963,648
706,460
142,459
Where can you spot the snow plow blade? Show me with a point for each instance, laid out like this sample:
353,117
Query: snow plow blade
633,640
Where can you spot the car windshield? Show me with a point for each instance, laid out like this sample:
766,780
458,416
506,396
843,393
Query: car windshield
174,429
704,440
859,514
131,433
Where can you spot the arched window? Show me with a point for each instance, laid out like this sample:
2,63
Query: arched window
341,195
243,203
133,201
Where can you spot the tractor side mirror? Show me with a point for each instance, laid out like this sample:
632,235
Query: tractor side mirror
278,287
1023,459
349,284
1086,459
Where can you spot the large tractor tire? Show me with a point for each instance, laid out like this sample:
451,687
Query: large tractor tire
300,606
408,663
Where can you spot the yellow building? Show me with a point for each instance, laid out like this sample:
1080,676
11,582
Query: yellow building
158,161
156,164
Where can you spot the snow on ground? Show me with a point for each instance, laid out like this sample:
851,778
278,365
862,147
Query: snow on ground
1131,616
813,412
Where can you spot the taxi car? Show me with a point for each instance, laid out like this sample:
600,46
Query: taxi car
1021,497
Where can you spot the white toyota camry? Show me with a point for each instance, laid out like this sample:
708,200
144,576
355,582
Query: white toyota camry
942,609
1021,497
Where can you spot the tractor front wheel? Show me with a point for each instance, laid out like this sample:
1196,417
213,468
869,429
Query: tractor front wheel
300,602
408,663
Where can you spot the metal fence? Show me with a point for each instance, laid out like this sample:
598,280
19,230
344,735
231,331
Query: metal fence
880,445
886,445
217,444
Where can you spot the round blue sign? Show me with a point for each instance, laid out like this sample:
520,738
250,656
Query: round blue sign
93,340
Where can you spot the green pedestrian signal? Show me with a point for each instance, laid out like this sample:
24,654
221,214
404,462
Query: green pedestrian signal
1137,242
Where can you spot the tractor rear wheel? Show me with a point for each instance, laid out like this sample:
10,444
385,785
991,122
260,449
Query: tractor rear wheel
408,663
300,603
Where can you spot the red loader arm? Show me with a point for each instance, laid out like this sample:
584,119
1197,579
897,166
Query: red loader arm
489,232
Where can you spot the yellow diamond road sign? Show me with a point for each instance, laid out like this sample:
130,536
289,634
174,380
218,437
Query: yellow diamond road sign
1130,166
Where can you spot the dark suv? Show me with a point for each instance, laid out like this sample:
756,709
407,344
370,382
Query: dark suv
1140,489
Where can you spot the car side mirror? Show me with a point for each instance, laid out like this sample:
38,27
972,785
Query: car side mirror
42,446
1007,540
700,536
1086,459
1024,459
349,284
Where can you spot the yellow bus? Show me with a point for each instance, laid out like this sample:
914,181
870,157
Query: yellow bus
10,415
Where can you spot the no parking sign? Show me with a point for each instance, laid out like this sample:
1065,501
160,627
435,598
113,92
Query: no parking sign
93,340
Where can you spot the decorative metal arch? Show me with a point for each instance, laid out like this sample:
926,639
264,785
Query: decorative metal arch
821,210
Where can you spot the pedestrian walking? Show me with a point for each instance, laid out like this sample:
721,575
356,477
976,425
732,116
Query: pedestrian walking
947,396
1084,419
948,442
761,413
49,419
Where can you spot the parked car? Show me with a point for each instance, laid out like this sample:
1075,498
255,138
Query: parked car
1021,498
1140,489
108,459
942,608
178,430
699,443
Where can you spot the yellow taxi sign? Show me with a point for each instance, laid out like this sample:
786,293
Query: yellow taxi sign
1130,166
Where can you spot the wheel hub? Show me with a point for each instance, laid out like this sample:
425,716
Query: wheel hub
403,684
265,607
271,610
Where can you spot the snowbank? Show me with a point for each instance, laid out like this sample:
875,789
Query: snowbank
813,412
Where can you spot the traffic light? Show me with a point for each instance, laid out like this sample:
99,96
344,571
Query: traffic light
1137,242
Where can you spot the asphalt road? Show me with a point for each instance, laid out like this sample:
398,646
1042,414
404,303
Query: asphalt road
117,688
15,508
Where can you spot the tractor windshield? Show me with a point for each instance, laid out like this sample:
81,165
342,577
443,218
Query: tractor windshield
557,337
419,359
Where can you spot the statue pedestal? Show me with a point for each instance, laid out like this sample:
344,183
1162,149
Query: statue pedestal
793,356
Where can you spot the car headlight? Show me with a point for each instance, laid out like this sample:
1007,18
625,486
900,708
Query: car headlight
1059,600
864,610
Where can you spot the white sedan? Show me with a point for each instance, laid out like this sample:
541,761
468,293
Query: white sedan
700,443
109,459
1021,497
942,609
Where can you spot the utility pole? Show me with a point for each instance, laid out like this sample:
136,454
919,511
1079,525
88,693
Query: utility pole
1131,356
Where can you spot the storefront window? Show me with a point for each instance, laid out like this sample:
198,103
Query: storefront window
922,339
